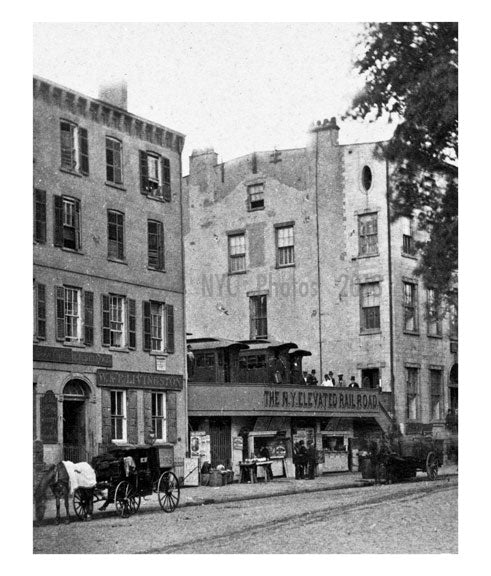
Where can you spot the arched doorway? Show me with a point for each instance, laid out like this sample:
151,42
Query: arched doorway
453,389
75,395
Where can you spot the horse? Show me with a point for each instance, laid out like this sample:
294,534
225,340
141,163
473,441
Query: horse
57,479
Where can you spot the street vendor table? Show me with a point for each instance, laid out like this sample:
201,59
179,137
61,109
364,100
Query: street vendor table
251,467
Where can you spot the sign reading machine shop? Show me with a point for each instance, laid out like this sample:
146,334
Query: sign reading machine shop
147,380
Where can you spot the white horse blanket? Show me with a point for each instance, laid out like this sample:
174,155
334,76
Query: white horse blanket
81,475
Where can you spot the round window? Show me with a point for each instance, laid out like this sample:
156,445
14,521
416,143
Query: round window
366,178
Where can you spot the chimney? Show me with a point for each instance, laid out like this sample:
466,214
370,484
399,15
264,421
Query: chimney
115,93
330,127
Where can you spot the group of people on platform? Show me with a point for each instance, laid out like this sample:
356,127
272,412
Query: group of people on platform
329,380
304,459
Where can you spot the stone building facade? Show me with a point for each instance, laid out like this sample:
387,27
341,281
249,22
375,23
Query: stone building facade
298,245
109,318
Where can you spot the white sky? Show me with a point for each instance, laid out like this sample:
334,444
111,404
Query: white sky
237,87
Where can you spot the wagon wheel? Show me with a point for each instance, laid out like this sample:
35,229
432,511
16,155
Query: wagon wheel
168,491
80,504
125,499
432,466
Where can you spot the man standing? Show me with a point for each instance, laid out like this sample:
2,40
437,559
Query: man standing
328,381
353,383
313,379
305,378
310,460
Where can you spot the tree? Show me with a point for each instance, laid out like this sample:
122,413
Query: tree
411,76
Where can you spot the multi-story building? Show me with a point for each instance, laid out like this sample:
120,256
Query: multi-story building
299,245
109,335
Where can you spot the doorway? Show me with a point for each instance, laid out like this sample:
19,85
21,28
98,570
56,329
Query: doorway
220,442
370,378
74,418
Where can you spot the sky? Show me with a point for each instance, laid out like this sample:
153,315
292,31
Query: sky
236,87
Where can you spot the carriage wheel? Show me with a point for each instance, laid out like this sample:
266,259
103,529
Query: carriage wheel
432,466
168,491
80,504
125,499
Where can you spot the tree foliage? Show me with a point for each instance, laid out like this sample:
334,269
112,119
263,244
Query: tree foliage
411,75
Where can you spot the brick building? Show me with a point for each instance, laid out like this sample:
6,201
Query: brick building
296,245
109,335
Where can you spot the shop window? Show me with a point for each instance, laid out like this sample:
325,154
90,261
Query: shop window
333,443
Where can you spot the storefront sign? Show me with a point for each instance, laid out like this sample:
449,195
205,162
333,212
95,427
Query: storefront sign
49,418
160,363
238,443
320,400
70,356
147,380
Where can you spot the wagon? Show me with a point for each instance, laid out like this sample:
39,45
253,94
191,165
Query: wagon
401,458
128,473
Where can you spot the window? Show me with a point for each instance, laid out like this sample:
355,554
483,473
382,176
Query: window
155,245
158,416
155,176
366,178
236,253
39,311
408,245
118,321
69,320
370,307
258,316
367,235
433,314
70,303
453,321
412,387
40,216
410,299
115,235
118,415
74,148
436,393
67,222
255,196
114,173
285,248
158,327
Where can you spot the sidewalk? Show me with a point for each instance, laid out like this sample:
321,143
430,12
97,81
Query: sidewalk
204,495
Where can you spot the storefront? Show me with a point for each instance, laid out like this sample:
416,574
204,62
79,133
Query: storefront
278,417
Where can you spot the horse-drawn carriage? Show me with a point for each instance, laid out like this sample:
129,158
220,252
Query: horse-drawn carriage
398,458
125,475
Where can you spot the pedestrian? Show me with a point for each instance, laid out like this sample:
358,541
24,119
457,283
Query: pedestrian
313,379
328,380
353,383
300,454
310,460
305,378
340,380
264,453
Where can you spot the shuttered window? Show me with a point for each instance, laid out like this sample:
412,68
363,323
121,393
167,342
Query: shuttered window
40,216
68,314
158,330
67,233
118,415
40,311
170,348
114,171
74,147
115,235
131,324
88,318
155,176
155,245
258,316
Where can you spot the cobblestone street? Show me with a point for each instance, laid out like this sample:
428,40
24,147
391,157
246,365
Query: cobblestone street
415,517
